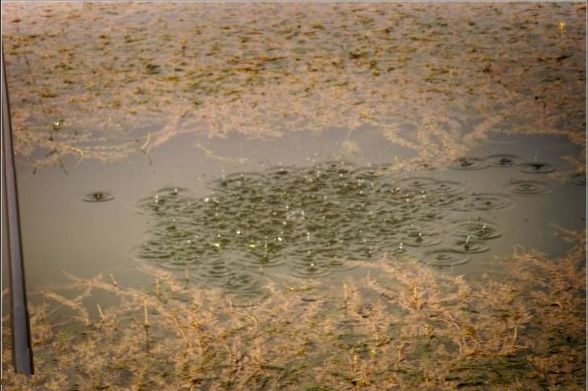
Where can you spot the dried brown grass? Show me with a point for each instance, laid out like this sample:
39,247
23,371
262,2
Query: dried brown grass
403,326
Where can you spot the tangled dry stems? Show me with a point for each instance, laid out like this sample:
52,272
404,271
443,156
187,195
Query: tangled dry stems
403,326
127,78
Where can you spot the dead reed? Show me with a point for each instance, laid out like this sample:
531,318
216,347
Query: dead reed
403,326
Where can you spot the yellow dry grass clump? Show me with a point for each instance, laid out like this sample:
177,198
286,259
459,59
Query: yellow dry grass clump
404,326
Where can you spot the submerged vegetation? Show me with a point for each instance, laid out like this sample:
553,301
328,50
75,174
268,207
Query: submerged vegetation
403,326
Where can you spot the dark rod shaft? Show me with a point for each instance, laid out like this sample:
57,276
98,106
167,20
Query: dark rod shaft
22,352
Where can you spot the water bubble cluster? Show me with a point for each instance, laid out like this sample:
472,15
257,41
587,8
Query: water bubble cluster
317,220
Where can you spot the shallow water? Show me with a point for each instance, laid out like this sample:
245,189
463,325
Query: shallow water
320,134
283,153
315,220
249,210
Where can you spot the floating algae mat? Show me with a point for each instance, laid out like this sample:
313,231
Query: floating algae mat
313,221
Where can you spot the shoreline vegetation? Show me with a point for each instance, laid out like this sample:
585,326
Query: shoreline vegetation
105,81
403,326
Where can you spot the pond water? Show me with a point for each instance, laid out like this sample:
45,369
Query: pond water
234,212
270,157
234,139
334,100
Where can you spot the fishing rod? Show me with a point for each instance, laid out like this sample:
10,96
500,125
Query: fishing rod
22,352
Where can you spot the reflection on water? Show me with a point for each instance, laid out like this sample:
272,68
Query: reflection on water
312,221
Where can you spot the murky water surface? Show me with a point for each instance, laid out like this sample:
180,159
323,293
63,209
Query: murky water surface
311,221
238,215
239,142
313,176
